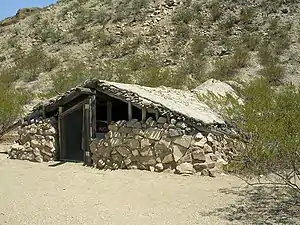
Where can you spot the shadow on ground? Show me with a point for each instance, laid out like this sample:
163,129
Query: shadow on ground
260,205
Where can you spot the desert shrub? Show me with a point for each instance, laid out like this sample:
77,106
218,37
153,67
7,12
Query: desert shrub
30,65
182,32
138,5
128,47
66,79
273,72
224,69
82,35
47,32
198,45
269,119
158,76
183,15
250,40
215,11
102,16
272,69
240,57
102,39
11,105
246,15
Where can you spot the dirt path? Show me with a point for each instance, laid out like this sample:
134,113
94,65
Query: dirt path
33,193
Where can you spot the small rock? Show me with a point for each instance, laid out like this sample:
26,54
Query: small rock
162,120
152,168
198,156
200,166
199,136
205,172
185,168
207,149
181,125
113,127
159,167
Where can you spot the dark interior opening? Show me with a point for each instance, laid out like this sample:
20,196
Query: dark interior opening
72,135
119,111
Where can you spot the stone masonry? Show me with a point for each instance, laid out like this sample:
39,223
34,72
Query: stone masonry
159,145
36,142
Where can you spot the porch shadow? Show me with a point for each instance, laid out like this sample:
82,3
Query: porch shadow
260,205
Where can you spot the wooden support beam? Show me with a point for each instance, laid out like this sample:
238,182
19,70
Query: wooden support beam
61,149
109,111
129,111
144,114
73,108
86,134
94,115
156,115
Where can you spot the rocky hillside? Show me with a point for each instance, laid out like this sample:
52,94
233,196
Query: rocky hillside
177,43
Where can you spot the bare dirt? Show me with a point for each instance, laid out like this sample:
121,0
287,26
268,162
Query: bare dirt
69,193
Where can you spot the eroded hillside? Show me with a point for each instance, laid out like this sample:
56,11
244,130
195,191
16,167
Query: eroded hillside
156,42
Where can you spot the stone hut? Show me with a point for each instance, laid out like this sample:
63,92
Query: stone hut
124,126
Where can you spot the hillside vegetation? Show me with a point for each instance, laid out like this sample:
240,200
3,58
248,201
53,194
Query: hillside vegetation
166,42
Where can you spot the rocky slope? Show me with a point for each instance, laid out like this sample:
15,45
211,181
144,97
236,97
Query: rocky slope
177,43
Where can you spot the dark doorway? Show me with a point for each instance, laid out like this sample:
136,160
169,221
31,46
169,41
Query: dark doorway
71,136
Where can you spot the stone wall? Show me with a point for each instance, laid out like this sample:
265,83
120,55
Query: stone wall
36,142
159,145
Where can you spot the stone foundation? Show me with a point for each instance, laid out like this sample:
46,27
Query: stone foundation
36,142
159,146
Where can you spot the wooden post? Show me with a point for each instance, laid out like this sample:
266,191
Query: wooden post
109,111
93,116
156,115
86,135
144,114
62,152
129,111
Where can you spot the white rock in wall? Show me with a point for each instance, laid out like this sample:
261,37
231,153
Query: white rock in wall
153,133
199,136
178,152
125,152
184,141
199,142
161,120
168,158
114,142
147,151
132,143
207,149
198,156
113,127
50,131
145,142
185,168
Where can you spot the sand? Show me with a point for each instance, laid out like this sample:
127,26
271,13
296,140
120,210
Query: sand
69,193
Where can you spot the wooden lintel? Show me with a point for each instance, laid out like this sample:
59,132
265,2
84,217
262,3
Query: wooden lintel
73,108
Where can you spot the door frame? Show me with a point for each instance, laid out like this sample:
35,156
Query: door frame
87,131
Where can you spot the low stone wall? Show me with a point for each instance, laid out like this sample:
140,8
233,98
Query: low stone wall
36,142
159,146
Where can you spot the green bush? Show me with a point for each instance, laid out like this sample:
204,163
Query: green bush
66,79
198,45
269,119
11,105
182,32
215,11
183,15
30,65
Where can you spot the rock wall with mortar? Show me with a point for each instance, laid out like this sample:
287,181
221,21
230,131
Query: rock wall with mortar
159,145
36,142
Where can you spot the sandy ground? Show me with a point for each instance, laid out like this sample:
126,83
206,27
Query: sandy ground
69,193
